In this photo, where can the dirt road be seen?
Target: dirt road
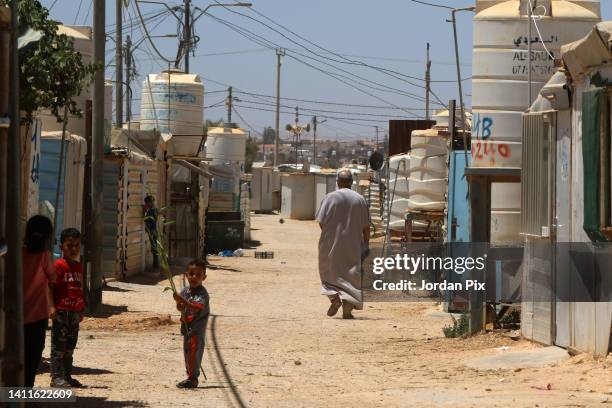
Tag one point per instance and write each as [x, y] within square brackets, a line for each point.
[271, 345]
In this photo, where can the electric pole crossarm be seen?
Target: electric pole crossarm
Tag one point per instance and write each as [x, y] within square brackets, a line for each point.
[202, 12]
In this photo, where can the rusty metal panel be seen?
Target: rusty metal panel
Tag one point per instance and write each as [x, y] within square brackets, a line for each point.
[400, 133]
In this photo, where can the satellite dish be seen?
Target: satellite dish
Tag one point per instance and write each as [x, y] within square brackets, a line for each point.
[376, 160]
[289, 128]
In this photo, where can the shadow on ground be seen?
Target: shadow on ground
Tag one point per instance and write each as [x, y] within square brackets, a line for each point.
[108, 288]
[108, 311]
[221, 268]
[251, 244]
[153, 278]
[45, 367]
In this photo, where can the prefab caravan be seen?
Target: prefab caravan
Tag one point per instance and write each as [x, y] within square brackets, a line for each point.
[567, 285]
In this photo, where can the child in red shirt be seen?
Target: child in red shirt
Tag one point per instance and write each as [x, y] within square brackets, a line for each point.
[69, 305]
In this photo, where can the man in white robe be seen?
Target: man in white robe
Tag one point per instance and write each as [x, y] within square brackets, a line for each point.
[345, 233]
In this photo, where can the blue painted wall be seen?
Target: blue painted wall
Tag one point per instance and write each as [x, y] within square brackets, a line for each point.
[49, 168]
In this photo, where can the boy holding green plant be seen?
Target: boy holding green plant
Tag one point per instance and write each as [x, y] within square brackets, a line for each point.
[193, 303]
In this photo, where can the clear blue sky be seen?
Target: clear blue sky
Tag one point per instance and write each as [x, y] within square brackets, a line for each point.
[392, 34]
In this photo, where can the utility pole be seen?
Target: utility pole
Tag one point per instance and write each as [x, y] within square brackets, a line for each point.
[187, 33]
[128, 77]
[427, 87]
[119, 64]
[229, 105]
[12, 359]
[297, 134]
[314, 141]
[459, 82]
[95, 236]
[376, 127]
[279, 54]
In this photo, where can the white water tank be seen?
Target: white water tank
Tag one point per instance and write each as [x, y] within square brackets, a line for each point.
[500, 68]
[442, 117]
[428, 171]
[399, 174]
[500, 89]
[226, 144]
[173, 102]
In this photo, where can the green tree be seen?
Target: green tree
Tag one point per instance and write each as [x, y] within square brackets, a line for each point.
[251, 151]
[52, 72]
[269, 135]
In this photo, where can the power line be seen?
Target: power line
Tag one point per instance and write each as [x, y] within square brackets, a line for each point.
[146, 32]
[88, 11]
[267, 43]
[389, 72]
[245, 122]
[432, 4]
[309, 109]
[330, 103]
[78, 12]
[348, 83]
[323, 116]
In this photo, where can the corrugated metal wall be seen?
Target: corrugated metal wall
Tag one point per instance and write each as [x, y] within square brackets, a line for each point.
[127, 250]
[112, 252]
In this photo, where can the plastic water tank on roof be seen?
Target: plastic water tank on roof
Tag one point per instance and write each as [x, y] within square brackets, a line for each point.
[500, 68]
[173, 102]
[226, 144]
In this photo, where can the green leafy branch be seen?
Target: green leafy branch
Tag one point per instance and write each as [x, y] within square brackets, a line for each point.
[159, 242]
[52, 72]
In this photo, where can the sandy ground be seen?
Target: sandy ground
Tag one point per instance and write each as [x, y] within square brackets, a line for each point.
[270, 344]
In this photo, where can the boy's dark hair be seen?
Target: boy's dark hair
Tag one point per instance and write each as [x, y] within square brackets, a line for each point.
[149, 199]
[70, 233]
[39, 230]
[200, 263]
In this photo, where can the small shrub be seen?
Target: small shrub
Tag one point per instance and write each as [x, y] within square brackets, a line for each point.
[459, 328]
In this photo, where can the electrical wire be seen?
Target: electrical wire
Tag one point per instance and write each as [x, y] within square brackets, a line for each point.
[263, 41]
[389, 72]
[78, 12]
[146, 32]
[432, 4]
[323, 116]
[344, 60]
[534, 18]
[88, 12]
[245, 122]
[309, 109]
[327, 102]
[351, 85]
